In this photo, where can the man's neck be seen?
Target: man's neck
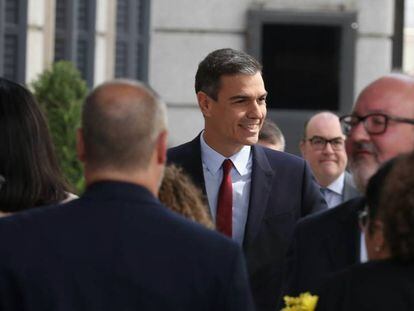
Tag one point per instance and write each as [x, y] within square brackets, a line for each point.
[226, 150]
[141, 178]
[324, 181]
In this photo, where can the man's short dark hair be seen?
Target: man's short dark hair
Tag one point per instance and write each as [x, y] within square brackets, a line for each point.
[271, 133]
[223, 62]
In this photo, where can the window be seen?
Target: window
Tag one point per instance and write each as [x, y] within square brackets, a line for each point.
[308, 58]
[75, 34]
[132, 39]
[13, 25]
[308, 64]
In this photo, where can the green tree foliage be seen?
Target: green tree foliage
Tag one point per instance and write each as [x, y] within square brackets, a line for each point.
[60, 92]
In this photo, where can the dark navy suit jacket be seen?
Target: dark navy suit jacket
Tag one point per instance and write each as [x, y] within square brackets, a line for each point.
[381, 285]
[117, 248]
[322, 244]
[282, 191]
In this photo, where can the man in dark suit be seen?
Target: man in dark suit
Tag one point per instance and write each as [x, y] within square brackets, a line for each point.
[263, 192]
[379, 128]
[117, 247]
[323, 146]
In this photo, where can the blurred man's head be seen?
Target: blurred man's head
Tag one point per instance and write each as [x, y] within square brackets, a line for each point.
[271, 136]
[380, 126]
[323, 146]
[123, 132]
[232, 98]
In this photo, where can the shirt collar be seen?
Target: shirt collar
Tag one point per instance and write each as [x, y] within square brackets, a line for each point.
[337, 185]
[213, 160]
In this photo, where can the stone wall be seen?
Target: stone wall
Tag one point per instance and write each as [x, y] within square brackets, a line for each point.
[183, 32]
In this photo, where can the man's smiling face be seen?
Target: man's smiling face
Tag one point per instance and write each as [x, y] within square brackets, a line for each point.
[236, 117]
[327, 163]
[392, 96]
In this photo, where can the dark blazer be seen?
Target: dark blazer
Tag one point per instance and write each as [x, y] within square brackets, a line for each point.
[322, 244]
[377, 285]
[117, 248]
[350, 191]
[282, 191]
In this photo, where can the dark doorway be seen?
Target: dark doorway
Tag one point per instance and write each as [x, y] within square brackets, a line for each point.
[308, 64]
[301, 66]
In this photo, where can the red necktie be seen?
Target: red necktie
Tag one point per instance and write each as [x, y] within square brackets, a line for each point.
[225, 201]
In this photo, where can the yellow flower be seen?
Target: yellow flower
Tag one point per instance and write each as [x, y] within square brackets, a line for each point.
[305, 302]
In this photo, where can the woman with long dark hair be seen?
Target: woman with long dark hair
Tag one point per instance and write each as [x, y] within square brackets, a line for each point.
[29, 169]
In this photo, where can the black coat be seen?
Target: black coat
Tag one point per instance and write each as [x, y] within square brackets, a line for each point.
[117, 248]
[378, 286]
[322, 244]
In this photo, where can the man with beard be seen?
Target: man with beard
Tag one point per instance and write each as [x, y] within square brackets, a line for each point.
[379, 128]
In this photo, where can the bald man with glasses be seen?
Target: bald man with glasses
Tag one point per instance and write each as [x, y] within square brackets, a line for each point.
[379, 128]
[323, 147]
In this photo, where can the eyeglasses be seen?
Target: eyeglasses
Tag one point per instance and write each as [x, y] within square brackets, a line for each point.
[319, 143]
[363, 216]
[374, 124]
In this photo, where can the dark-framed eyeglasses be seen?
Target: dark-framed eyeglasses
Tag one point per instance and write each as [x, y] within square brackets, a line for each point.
[319, 143]
[363, 217]
[374, 123]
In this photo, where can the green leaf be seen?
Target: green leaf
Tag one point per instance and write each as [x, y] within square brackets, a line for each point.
[60, 92]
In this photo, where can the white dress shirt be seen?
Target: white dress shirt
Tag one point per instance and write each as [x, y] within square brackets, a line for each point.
[363, 249]
[241, 181]
[334, 193]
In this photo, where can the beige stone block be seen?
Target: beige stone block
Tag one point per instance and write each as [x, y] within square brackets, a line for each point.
[34, 55]
[174, 58]
[376, 16]
[373, 59]
[184, 123]
[36, 12]
[200, 14]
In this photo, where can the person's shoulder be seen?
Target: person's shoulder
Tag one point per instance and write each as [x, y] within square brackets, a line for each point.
[178, 148]
[275, 154]
[365, 275]
[381, 269]
[35, 214]
[20, 227]
[278, 158]
[329, 217]
[187, 147]
[358, 287]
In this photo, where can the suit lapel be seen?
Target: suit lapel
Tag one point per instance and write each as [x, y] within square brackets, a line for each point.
[192, 163]
[260, 189]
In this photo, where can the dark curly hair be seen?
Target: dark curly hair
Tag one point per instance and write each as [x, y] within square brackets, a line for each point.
[392, 201]
[397, 201]
[179, 194]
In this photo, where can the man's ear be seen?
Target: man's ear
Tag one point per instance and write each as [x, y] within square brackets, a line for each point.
[80, 145]
[302, 147]
[204, 102]
[162, 147]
